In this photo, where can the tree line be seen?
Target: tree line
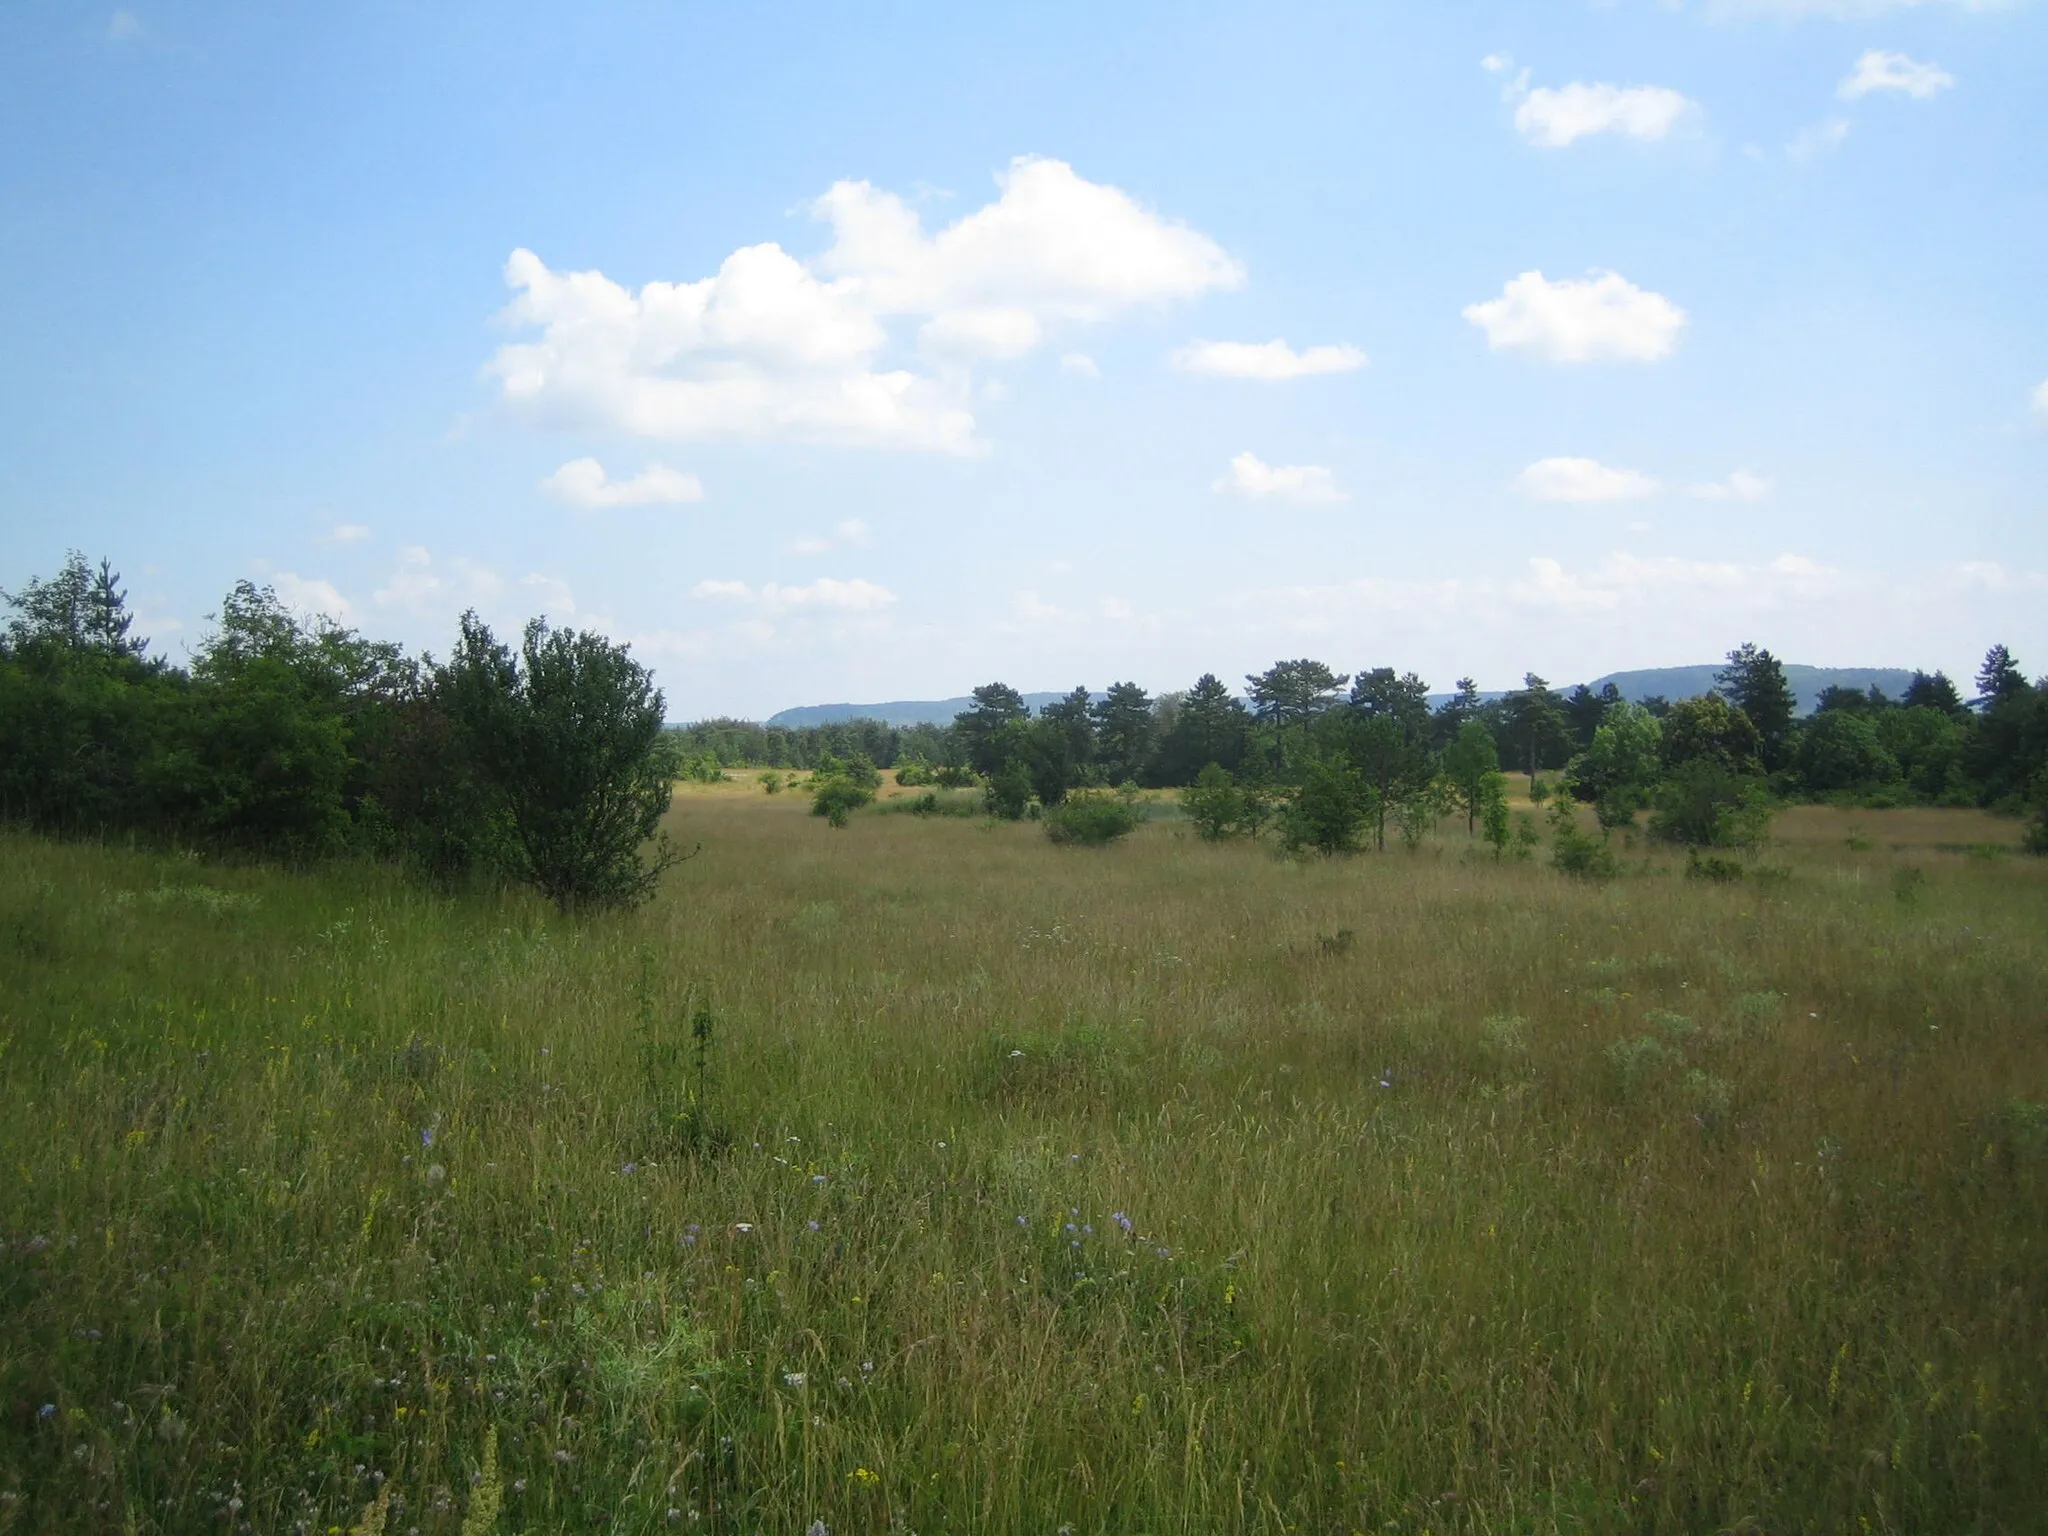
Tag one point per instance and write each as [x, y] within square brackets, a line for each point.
[548, 762]
[545, 762]
[710, 746]
[1340, 758]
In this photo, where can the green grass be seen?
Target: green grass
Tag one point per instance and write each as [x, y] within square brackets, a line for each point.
[1652, 1205]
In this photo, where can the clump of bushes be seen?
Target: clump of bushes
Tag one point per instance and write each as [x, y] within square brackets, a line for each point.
[1008, 796]
[932, 803]
[1711, 866]
[1220, 806]
[839, 787]
[1576, 852]
[700, 768]
[1705, 805]
[1093, 819]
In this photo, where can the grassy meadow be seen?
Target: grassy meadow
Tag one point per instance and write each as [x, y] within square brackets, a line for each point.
[923, 1176]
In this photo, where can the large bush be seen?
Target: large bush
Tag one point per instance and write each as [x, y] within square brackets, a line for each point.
[1703, 804]
[1214, 803]
[1092, 818]
[1328, 809]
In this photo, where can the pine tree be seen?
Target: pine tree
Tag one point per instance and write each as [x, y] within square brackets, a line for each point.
[1999, 679]
[1755, 684]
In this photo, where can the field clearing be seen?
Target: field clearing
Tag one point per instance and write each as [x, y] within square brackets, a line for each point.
[1163, 1187]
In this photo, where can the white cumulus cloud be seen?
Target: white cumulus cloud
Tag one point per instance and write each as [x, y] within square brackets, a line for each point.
[1079, 364]
[1818, 139]
[1266, 361]
[1740, 486]
[772, 346]
[1568, 479]
[826, 593]
[583, 483]
[1255, 480]
[1880, 71]
[313, 598]
[1580, 320]
[422, 586]
[1553, 117]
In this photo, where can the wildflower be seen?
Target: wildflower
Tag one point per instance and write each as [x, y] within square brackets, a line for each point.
[35, 1244]
[864, 1478]
[818, 1528]
[1015, 1054]
[48, 1410]
[817, 1178]
[792, 1378]
[1023, 1221]
[867, 1367]
[743, 1226]
[1123, 1221]
[813, 1226]
[562, 1457]
[436, 1173]
[630, 1168]
[426, 1135]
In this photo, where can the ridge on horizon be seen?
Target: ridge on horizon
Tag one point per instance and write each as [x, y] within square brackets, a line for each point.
[1807, 682]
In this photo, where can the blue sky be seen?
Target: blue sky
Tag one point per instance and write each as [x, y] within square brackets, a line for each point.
[830, 352]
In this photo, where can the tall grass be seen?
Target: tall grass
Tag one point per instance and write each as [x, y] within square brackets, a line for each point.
[1018, 1187]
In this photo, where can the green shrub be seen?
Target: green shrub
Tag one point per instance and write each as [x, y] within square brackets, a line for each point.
[1525, 840]
[1711, 866]
[1092, 819]
[1636, 1061]
[700, 768]
[1704, 804]
[1328, 809]
[1576, 852]
[1008, 795]
[838, 797]
[934, 803]
[1709, 1098]
[2036, 840]
[1214, 803]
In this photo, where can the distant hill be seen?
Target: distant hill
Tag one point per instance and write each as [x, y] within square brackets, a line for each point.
[1808, 683]
[1671, 682]
[895, 712]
